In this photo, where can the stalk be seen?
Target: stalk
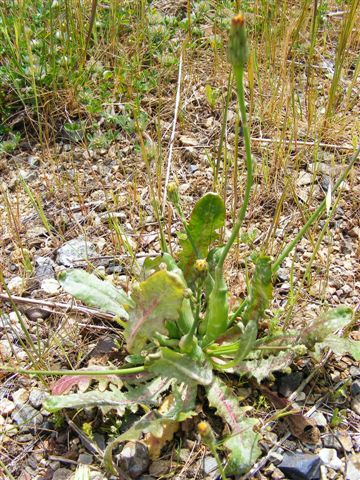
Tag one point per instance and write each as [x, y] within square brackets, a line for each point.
[120, 371]
[238, 56]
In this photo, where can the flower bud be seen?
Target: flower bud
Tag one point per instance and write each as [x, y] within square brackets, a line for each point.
[201, 265]
[238, 49]
[206, 432]
[173, 193]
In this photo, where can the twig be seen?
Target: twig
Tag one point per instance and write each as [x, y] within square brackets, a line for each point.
[172, 137]
[302, 143]
[68, 307]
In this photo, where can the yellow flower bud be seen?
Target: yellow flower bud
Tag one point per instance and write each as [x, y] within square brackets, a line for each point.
[238, 49]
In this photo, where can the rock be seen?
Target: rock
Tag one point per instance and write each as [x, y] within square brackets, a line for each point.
[353, 467]
[300, 466]
[26, 175]
[75, 250]
[319, 418]
[20, 397]
[16, 285]
[355, 388]
[37, 396]
[355, 404]
[159, 467]
[6, 406]
[188, 141]
[354, 371]
[134, 459]
[330, 459]
[44, 268]
[289, 383]
[33, 161]
[210, 467]
[50, 285]
[85, 459]
[275, 458]
[27, 417]
[330, 441]
[304, 178]
[277, 474]
[62, 474]
[35, 314]
[285, 287]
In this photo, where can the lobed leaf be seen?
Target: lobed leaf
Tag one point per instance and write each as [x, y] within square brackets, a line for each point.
[94, 292]
[243, 443]
[207, 216]
[180, 366]
[158, 299]
[261, 368]
[340, 346]
[326, 324]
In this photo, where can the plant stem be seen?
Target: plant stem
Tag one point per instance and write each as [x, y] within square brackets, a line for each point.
[121, 371]
[314, 216]
[239, 77]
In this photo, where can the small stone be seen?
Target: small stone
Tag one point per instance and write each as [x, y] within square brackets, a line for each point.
[277, 474]
[62, 474]
[355, 388]
[184, 455]
[285, 287]
[75, 250]
[346, 442]
[304, 178]
[355, 404]
[330, 441]
[33, 161]
[50, 286]
[354, 371]
[6, 406]
[16, 285]
[330, 459]
[44, 268]
[26, 175]
[134, 458]
[20, 396]
[275, 458]
[159, 467]
[27, 417]
[301, 466]
[353, 467]
[37, 396]
[319, 418]
[210, 467]
[85, 459]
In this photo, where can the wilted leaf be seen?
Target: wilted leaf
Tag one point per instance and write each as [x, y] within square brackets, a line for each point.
[243, 443]
[180, 366]
[64, 384]
[95, 292]
[157, 300]
[325, 325]
[341, 346]
[207, 216]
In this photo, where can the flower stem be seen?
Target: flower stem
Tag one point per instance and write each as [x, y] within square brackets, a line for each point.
[121, 371]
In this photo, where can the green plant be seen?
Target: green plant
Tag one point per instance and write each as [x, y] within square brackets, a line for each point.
[180, 331]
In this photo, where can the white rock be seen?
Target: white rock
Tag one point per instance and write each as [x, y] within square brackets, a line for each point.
[6, 406]
[50, 285]
[330, 459]
[16, 285]
[20, 397]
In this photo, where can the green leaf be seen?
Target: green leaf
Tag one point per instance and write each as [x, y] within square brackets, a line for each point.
[325, 325]
[261, 368]
[157, 300]
[207, 216]
[95, 292]
[260, 291]
[243, 443]
[117, 399]
[341, 346]
[180, 366]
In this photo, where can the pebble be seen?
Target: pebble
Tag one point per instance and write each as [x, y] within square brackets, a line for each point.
[355, 404]
[159, 467]
[33, 161]
[85, 458]
[285, 287]
[210, 467]
[27, 175]
[330, 459]
[27, 417]
[62, 474]
[354, 371]
[320, 419]
[37, 396]
[355, 388]
[20, 396]
[134, 459]
[16, 285]
[50, 286]
[301, 466]
[74, 250]
[353, 467]
[6, 406]
[289, 383]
